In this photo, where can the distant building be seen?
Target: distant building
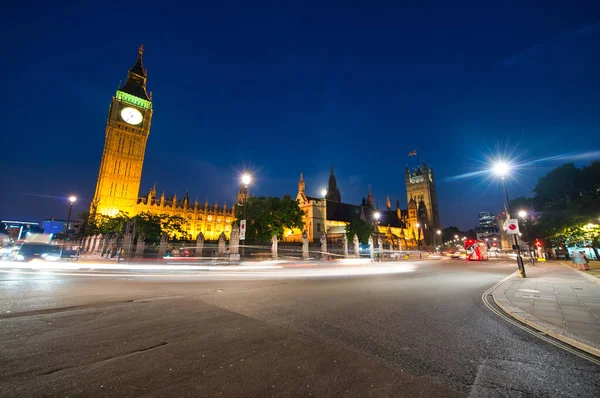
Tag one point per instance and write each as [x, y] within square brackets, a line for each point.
[488, 230]
[54, 227]
[18, 230]
[487, 222]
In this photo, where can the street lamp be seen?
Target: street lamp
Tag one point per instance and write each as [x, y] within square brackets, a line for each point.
[455, 236]
[324, 196]
[72, 199]
[502, 169]
[418, 225]
[439, 232]
[246, 180]
[523, 215]
[377, 215]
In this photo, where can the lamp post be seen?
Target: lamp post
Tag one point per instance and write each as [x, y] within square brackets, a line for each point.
[418, 225]
[72, 199]
[246, 179]
[376, 216]
[501, 169]
[439, 232]
[324, 196]
[523, 215]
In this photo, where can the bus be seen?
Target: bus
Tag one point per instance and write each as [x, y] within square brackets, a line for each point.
[476, 250]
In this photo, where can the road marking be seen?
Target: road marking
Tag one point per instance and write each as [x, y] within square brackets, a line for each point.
[487, 295]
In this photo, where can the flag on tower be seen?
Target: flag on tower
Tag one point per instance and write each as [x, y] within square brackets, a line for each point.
[413, 153]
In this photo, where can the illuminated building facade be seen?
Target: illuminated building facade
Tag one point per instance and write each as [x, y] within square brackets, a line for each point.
[330, 214]
[120, 175]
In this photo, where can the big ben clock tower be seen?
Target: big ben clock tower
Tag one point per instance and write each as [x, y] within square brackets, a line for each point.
[127, 130]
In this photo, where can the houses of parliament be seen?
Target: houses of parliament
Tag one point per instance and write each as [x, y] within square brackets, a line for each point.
[120, 175]
[117, 188]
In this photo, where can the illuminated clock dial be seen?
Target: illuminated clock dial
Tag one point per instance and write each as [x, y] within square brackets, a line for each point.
[131, 116]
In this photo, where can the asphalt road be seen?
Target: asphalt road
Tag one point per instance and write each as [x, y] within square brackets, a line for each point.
[411, 329]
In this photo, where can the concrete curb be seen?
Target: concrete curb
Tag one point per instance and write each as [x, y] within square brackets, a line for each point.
[588, 276]
[559, 333]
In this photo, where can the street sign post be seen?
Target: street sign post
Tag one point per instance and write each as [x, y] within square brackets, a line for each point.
[242, 229]
[512, 226]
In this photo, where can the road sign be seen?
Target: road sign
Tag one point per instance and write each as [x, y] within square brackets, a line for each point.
[512, 226]
[242, 229]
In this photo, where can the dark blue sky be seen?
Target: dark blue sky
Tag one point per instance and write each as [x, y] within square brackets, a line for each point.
[289, 86]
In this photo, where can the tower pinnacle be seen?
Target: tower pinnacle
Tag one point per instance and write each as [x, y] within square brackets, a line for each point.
[301, 185]
[136, 78]
[333, 193]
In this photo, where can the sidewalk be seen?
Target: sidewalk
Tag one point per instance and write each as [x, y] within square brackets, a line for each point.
[556, 300]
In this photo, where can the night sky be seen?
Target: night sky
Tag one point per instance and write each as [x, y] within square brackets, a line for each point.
[286, 87]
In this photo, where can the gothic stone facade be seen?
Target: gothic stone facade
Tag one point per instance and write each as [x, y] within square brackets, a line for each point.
[120, 175]
[412, 227]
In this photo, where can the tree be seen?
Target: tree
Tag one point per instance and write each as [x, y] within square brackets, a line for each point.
[112, 225]
[561, 185]
[172, 224]
[269, 216]
[567, 199]
[361, 228]
[590, 179]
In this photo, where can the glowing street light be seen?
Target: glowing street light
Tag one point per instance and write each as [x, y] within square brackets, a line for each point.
[72, 199]
[455, 236]
[523, 215]
[439, 232]
[246, 179]
[502, 169]
[324, 196]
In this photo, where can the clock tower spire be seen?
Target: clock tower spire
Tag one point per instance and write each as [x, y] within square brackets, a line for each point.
[126, 134]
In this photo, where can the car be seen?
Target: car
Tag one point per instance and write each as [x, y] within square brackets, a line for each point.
[38, 251]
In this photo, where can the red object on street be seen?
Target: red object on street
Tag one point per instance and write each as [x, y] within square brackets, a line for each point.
[476, 250]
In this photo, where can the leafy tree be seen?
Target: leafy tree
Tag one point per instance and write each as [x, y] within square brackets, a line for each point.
[566, 200]
[361, 228]
[147, 224]
[112, 225]
[172, 224]
[557, 188]
[270, 216]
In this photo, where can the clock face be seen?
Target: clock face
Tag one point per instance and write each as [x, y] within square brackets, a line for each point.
[131, 116]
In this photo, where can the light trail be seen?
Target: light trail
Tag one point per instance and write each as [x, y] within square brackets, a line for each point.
[276, 272]
[128, 267]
